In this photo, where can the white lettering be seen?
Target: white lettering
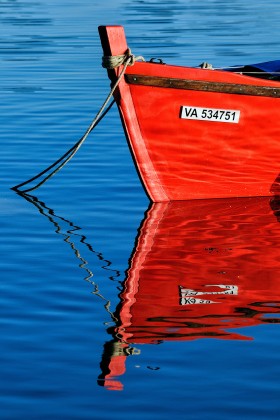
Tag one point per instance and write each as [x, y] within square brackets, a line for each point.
[188, 296]
[210, 114]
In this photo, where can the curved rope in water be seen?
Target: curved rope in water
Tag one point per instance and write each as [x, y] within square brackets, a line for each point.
[67, 237]
[109, 62]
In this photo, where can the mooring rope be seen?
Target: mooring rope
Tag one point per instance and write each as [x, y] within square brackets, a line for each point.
[113, 61]
[109, 62]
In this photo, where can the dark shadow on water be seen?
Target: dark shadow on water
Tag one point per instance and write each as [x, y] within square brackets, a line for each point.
[275, 187]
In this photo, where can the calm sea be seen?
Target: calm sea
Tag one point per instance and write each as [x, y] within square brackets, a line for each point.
[89, 271]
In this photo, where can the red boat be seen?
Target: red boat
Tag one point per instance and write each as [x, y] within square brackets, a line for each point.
[198, 132]
[200, 269]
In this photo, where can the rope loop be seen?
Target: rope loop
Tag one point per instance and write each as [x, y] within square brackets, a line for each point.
[110, 62]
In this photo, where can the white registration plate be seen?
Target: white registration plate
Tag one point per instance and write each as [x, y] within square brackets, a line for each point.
[210, 114]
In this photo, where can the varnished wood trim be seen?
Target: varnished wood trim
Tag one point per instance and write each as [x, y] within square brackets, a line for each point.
[200, 85]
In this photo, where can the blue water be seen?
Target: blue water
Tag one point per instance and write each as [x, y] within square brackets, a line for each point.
[64, 257]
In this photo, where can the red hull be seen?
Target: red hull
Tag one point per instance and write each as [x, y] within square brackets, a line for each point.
[181, 159]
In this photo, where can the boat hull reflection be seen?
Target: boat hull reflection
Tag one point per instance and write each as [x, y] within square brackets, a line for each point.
[200, 269]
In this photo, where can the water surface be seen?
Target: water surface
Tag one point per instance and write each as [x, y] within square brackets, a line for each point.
[87, 254]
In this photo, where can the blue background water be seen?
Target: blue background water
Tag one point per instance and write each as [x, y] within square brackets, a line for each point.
[52, 325]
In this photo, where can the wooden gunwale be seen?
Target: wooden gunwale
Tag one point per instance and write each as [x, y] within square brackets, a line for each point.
[204, 86]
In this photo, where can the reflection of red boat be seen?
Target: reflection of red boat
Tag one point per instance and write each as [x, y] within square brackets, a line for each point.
[198, 133]
[200, 269]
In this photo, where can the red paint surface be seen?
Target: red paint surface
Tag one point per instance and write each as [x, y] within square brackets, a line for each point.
[184, 159]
